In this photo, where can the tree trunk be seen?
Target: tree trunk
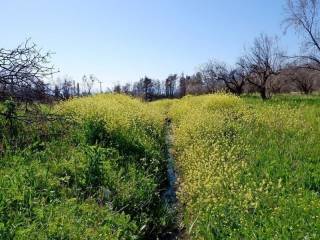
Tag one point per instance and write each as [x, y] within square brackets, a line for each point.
[263, 93]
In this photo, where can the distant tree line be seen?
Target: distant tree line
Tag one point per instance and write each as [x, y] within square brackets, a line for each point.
[264, 68]
[65, 88]
[265, 74]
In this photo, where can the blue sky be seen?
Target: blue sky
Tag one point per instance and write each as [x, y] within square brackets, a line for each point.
[123, 40]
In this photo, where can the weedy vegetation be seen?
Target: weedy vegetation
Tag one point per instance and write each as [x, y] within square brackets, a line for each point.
[247, 169]
[97, 176]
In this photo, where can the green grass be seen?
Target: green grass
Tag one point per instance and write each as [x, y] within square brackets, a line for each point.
[96, 177]
[248, 169]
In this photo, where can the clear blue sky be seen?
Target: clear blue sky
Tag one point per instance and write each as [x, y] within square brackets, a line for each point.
[123, 40]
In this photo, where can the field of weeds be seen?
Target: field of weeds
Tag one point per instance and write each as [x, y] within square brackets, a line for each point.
[246, 169]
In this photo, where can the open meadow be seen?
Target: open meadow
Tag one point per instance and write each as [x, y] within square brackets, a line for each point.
[246, 169]
[160, 120]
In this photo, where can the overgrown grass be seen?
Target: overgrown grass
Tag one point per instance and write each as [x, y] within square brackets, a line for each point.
[100, 177]
[249, 169]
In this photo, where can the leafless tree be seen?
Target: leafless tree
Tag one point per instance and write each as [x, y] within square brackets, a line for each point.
[78, 89]
[23, 71]
[304, 80]
[182, 85]
[88, 83]
[92, 80]
[137, 89]
[195, 84]
[156, 88]
[147, 88]
[263, 61]
[171, 85]
[67, 88]
[303, 16]
[126, 88]
[281, 83]
[235, 81]
[222, 76]
[117, 88]
[209, 75]
[56, 92]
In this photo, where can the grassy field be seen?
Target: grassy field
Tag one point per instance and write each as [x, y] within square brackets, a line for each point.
[247, 169]
[98, 176]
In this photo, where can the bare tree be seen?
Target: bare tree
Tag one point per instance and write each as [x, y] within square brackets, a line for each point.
[182, 85]
[126, 88]
[304, 80]
[147, 88]
[209, 75]
[137, 89]
[156, 88]
[84, 84]
[88, 83]
[57, 92]
[78, 89]
[303, 16]
[92, 79]
[171, 85]
[195, 84]
[23, 71]
[263, 61]
[67, 88]
[233, 79]
[117, 88]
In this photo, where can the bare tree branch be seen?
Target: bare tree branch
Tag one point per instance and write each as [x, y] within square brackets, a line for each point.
[23, 71]
[263, 61]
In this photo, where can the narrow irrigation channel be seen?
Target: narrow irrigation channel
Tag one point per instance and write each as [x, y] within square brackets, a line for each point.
[169, 195]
